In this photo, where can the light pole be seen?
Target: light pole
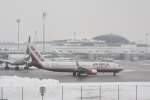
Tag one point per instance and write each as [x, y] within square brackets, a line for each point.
[146, 44]
[74, 36]
[42, 91]
[111, 43]
[18, 23]
[1, 92]
[44, 16]
[22, 92]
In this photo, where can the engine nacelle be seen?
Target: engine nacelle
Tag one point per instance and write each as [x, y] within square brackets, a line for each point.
[91, 71]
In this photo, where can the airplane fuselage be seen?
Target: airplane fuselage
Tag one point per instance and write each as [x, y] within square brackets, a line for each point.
[90, 68]
[71, 66]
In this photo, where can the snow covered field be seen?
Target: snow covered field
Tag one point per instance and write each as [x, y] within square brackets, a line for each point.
[11, 88]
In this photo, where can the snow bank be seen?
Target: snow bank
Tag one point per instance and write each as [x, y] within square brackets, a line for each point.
[15, 81]
[12, 90]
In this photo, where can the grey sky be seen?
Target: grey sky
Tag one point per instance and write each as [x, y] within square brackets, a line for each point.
[88, 18]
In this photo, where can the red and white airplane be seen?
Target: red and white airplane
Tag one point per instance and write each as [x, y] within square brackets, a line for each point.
[77, 68]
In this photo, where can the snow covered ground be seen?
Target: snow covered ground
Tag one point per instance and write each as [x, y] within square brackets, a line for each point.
[11, 88]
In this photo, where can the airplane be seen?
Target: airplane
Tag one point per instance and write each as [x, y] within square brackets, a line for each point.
[17, 61]
[77, 68]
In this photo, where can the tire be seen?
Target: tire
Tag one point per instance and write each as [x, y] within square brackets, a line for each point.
[78, 74]
[114, 73]
[16, 68]
[74, 73]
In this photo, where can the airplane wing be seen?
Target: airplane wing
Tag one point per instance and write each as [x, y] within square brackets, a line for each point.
[7, 61]
[89, 71]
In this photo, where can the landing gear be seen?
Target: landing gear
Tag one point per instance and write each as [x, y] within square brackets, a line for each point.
[17, 68]
[78, 74]
[26, 67]
[114, 73]
[74, 73]
[6, 68]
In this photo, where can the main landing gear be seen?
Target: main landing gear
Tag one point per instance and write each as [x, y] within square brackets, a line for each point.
[7, 67]
[26, 66]
[76, 74]
[114, 73]
[17, 67]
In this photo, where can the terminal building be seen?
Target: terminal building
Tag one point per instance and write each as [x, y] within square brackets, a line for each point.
[109, 45]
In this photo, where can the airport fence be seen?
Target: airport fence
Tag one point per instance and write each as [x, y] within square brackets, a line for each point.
[76, 92]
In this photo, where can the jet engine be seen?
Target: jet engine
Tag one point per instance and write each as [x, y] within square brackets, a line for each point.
[91, 71]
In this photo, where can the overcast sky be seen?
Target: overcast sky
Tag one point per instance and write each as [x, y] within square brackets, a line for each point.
[88, 18]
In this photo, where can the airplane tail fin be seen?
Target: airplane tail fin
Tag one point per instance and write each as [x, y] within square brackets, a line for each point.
[27, 53]
[36, 56]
